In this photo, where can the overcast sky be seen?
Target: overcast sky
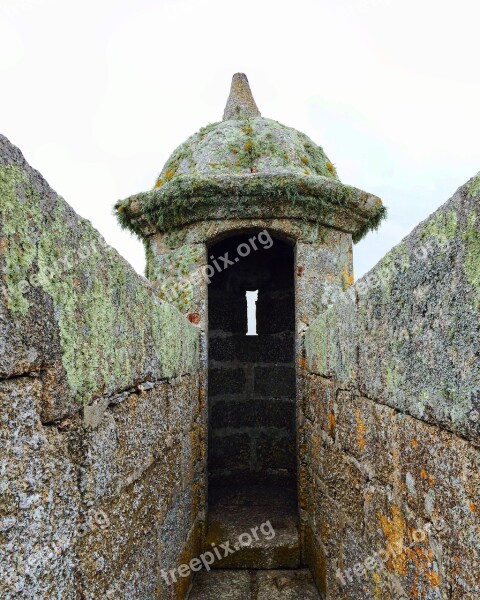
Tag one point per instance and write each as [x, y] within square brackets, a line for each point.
[97, 94]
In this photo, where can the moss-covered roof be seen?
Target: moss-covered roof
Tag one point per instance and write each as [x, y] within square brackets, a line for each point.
[241, 147]
[212, 174]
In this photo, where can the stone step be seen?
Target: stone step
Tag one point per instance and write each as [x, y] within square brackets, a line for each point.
[254, 585]
[260, 536]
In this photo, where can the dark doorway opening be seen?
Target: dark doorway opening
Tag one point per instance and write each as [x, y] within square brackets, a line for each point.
[252, 425]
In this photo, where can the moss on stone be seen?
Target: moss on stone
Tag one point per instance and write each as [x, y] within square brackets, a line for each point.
[244, 146]
[170, 274]
[18, 234]
[472, 255]
[112, 329]
[474, 186]
[249, 161]
[188, 199]
[329, 344]
[442, 226]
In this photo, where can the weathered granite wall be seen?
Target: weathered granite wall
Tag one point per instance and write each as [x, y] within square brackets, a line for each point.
[389, 420]
[102, 410]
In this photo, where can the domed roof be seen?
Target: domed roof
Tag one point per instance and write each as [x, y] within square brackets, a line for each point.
[245, 146]
[247, 166]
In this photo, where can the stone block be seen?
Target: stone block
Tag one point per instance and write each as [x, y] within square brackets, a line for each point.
[39, 498]
[439, 477]
[256, 412]
[368, 431]
[274, 451]
[230, 452]
[320, 403]
[343, 482]
[225, 381]
[275, 381]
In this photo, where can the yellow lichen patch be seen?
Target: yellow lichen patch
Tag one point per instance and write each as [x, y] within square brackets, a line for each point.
[414, 443]
[248, 146]
[361, 430]
[324, 530]
[304, 160]
[473, 508]
[332, 423]
[369, 494]
[316, 448]
[347, 276]
[394, 531]
[422, 560]
[331, 168]
[160, 181]
[378, 589]
[427, 476]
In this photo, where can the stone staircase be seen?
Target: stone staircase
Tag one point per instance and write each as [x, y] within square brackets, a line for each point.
[257, 528]
[261, 525]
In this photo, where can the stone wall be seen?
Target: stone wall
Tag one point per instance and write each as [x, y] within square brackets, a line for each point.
[389, 420]
[103, 410]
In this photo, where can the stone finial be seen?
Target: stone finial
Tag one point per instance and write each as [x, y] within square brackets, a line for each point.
[240, 103]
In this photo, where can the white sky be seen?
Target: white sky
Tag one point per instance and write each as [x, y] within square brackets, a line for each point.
[97, 94]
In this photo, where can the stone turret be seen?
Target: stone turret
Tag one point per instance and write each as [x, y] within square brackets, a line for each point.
[242, 172]
[250, 206]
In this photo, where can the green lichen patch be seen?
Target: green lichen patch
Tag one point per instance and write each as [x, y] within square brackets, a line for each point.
[472, 254]
[474, 186]
[112, 330]
[254, 145]
[105, 315]
[17, 234]
[171, 275]
[330, 341]
[443, 226]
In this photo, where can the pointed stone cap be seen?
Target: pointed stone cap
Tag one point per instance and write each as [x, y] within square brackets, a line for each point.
[240, 103]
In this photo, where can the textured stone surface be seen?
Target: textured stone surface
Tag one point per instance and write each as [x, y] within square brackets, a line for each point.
[102, 412]
[234, 512]
[70, 305]
[419, 330]
[388, 433]
[40, 503]
[254, 585]
[240, 103]
[409, 332]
